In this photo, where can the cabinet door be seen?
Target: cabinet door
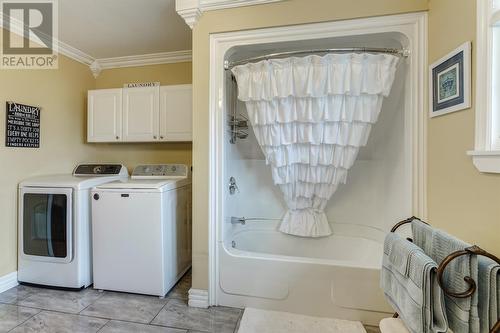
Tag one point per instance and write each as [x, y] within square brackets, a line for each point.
[104, 116]
[176, 113]
[141, 114]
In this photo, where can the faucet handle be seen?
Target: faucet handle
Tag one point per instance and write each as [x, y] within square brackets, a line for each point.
[233, 187]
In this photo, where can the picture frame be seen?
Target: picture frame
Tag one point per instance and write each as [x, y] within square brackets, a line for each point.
[450, 82]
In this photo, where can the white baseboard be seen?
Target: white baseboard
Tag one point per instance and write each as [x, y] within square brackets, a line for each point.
[198, 298]
[8, 281]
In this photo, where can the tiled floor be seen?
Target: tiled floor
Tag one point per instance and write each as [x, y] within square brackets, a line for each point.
[35, 310]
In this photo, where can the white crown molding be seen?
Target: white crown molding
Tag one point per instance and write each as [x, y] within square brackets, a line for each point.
[98, 65]
[8, 281]
[191, 10]
[207, 5]
[145, 59]
[75, 54]
[69, 51]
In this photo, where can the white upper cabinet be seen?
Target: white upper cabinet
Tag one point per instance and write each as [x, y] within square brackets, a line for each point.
[141, 111]
[143, 114]
[104, 115]
[176, 105]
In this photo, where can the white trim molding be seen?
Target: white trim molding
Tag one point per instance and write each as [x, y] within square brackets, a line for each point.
[189, 10]
[17, 27]
[207, 5]
[486, 161]
[145, 59]
[198, 298]
[8, 281]
[412, 28]
[192, 10]
[75, 54]
[485, 155]
[99, 65]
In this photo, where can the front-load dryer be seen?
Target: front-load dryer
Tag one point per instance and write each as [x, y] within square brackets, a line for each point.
[142, 230]
[54, 226]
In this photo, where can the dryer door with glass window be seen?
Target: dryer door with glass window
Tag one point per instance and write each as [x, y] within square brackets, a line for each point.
[45, 224]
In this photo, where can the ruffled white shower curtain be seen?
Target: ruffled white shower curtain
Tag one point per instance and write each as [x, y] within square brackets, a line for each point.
[310, 116]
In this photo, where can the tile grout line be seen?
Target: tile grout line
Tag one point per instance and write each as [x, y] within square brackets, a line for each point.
[41, 309]
[100, 329]
[163, 307]
[16, 302]
[176, 327]
[58, 312]
[49, 310]
[238, 322]
[98, 298]
[13, 328]
[95, 316]
[45, 309]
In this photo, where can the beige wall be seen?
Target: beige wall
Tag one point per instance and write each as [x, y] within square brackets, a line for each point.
[283, 13]
[460, 199]
[166, 74]
[62, 95]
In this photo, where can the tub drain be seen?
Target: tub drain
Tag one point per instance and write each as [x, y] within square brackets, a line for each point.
[233, 244]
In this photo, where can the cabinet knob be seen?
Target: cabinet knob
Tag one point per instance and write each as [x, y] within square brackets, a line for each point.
[161, 137]
[154, 137]
[117, 138]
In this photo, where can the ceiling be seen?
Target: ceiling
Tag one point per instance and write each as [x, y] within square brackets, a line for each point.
[116, 28]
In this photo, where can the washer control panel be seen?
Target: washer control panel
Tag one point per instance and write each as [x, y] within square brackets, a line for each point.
[99, 170]
[160, 171]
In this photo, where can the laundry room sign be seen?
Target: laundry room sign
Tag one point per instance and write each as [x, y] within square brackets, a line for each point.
[23, 126]
[141, 85]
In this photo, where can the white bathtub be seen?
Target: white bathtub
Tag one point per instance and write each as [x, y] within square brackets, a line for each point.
[337, 276]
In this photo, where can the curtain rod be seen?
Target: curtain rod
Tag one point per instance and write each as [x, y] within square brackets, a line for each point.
[397, 52]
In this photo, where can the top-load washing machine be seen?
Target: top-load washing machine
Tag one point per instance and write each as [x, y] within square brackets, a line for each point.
[142, 230]
[54, 247]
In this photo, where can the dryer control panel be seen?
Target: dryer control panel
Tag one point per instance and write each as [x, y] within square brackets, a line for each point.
[160, 171]
[94, 170]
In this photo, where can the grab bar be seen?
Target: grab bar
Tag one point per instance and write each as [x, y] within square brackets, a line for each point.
[243, 220]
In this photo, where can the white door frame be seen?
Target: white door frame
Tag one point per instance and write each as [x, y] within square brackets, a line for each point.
[413, 26]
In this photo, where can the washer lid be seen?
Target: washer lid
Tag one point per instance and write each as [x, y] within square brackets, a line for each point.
[68, 181]
[85, 176]
[145, 184]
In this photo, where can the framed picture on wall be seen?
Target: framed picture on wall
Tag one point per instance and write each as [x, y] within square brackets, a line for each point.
[450, 82]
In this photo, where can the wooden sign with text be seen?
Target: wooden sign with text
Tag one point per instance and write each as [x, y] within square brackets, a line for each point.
[141, 85]
[22, 126]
